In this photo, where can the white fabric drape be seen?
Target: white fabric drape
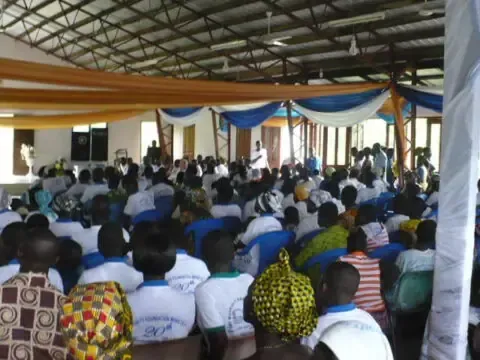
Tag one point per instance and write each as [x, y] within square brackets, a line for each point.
[345, 118]
[448, 321]
[226, 108]
[186, 120]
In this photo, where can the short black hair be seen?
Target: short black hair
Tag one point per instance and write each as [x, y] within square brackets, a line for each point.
[98, 174]
[366, 215]
[401, 205]
[342, 278]
[109, 171]
[40, 248]
[291, 216]
[426, 232]
[133, 170]
[113, 181]
[159, 176]
[130, 184]
[16, 204]
[354, 173]
[148, 172]
[84, 176]
[349, 196]
[327, 214]
[417, 209]
[70, 255]
[37, 221]
[111, 242]
[224, 190]
[100, 209]
[357, 241]
[218, 248]
[153, 257]
[12, 235]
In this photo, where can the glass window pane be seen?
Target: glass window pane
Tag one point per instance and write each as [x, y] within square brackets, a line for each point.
[81, 128]
[342, 143]
[99, 126]
[421, 133]
[374, 131]
[435, 145]
[330, 146]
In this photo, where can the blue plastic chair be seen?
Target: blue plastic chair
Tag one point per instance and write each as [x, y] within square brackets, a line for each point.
[388, 252]
[305, 239]
[324, 259]
[149, 215]
[270, 245]
[199, 229]
[232, 224]
[92, 260]
[116, 211]
[164, 205]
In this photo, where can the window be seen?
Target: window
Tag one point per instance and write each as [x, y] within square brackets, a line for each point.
[90, 142]
[148, 133]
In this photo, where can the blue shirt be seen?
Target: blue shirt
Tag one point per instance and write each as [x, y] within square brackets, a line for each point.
[314, 163]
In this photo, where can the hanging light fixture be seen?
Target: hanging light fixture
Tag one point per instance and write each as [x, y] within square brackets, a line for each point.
[353, 47]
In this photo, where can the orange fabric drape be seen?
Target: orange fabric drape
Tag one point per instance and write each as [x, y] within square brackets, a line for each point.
[66, 121]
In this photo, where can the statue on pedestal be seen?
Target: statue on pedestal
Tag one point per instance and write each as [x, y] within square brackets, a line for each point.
[28, 155]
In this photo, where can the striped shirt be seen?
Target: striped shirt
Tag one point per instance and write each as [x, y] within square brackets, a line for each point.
[368, 296]
[377, 235]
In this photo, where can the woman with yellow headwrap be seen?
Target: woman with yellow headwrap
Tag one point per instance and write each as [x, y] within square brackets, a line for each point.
[96, 323]
[281, 306]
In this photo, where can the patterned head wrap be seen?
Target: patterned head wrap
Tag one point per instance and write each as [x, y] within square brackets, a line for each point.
[301, 192]
[97, 322]
[43, 199]
[410, 225]
[283, 301]
[65, 203]
[268, 203]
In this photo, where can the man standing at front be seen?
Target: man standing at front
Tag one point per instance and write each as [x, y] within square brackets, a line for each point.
[314, 162]
[380, 160]
[259, 159]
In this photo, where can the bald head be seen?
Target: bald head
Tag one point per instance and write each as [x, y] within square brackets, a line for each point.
[39, 251]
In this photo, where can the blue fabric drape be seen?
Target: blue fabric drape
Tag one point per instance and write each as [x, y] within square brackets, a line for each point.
[337, 103]
[390, 118]
[182, 112]
[250, 118]
[430, 101]
[282, 112]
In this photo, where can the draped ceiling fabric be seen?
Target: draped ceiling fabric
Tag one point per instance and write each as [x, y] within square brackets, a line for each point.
[449, 315]
[429, 98]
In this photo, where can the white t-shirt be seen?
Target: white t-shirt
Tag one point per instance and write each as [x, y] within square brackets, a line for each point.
[307, 225]
[187, 273]
[65, 228]
[88, 239]
[114, 269]
[54, 185]
[433, 199]
[260, 226]
[366, 194]
[77, 190]
[336, 314]
[416, 260]
[144, 184]
[260, 163]
[381, 185]
[161, 313]
[161, 189]
[220, 304]
[393, 224]
[351, 182]
[207, 181]
[219, 211]
[381, 161]
[301, 207]
[138, 203]
[221, 170]
[287, 201]
[7, 217]
[93, 190]
[13, 268]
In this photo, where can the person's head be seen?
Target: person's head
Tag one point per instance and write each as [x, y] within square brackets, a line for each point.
[390, 153]
[285, 172]
[342, 174]
[218, 251]
[242, 171]
[84, 176]
[370, 177]
[12, 235]
[159, 176]
[367, 151]
[65, 206]
[154, 143]
[130, 161]
[107, 339]
[349, 196]
[360, 156]
[98, 175]
[155, 255]
[258, 145]
[275, 173]
[301, 193]
[210, 168]
[268, 203]
[109, 171]
[281, 302]
[407, 238]
[357, 242]
[327, 214]
[376, 148]
[427, 152]
[353, 152]
[333, 188]
[176, 163]
[52, 172]
[110, 240]
[123, 161]
[37, 221]
[130, 184]
[312, 152]
[114, 181]
[329, 172]
[292, 216]
[366, 214]
[354, 173]
[340, 284]
[417, 208]
[180, 178]
[16, 204]
[401, 205]
[224, 191]
[39, 251]
[69, 256]
[199, 159]
[100, 210]
[426, 232]
[148, 172]
[133, 170]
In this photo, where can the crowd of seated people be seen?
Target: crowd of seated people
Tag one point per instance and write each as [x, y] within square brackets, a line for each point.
[116, 275]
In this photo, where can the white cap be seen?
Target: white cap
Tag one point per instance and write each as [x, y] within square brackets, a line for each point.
[354, 340]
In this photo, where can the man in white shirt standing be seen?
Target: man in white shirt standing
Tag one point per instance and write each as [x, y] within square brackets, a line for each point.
[340, 285]
[220, 299]
[259, 158]
[160, 313]
[112, 246]
[380, 162]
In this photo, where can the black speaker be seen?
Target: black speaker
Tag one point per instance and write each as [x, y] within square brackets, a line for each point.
[99, 144]
[80, 146]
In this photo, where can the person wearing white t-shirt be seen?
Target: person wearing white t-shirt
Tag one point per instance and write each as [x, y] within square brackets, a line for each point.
[161, 186]
[370, 192]
[380, 162]
[160, 312]
[64, 226]
[223, 207]
[259, 158]
[220, 299]
[77, 189]
[138, 201]
[221, 170]
[99, 187]
[401, 210]
[111, 246]
[341, 281]
[88, 238]
[14, 236]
